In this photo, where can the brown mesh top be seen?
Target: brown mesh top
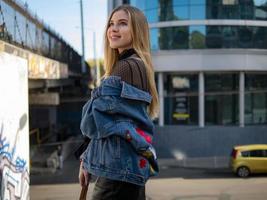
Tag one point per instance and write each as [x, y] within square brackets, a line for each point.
[131, 69]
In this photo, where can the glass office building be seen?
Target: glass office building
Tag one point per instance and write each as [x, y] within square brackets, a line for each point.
[210, 58]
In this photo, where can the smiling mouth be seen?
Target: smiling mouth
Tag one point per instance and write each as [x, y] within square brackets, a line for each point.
[115, 37]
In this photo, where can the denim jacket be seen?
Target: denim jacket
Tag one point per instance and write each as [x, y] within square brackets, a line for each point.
[117, 122]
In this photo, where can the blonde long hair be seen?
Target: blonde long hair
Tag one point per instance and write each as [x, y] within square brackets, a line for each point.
[141, 44]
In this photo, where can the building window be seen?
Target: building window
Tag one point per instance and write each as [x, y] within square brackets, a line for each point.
[208, 37]
[197, 37]
[174, 38]
[221, 99]
[154, 36]
[181, 99]
[255, 99]
[172, 10]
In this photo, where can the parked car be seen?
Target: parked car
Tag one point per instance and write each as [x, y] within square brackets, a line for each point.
[248, 159]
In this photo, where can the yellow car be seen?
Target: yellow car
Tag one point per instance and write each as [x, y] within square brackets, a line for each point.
[249, 159]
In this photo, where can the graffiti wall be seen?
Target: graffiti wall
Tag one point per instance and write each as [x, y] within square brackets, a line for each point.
[14, 128]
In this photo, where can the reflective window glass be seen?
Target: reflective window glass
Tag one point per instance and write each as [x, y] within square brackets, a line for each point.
[167, 13]
[221, 82]
[230, 36]
[152, 15]
[202, 9]
[255, 98]
[154, 35]
[261, 12]
[180, 2]
[259, 2]
[231, 11]
[212, 11]
[197, 12]
[214, 37]
[197, 37]
[255, 82]
[260, 37]
[255, 108]
[151, 4]
[221, 99]
[181, 12]
[174, 38]
[245, 37]
[138, 3]
[181, 100]
[197, 2]
[247, 11]
[221, 109]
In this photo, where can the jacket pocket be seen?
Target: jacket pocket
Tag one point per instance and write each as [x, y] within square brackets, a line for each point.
[110, 153]
[106, 153]
[111, 147]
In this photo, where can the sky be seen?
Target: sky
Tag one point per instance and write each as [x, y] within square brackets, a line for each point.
[63, 16]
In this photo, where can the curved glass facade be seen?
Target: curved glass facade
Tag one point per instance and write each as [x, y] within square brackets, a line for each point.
[235, 24]
[170, 10]
[199, 37]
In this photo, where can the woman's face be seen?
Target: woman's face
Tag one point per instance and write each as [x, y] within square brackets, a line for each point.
[118, 33]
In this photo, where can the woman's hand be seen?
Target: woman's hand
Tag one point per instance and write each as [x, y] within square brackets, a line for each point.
[84, 176]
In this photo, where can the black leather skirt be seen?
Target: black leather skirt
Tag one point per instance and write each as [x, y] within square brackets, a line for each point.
[106, 189]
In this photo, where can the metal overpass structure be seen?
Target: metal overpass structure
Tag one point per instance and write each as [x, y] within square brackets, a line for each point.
[54, 67]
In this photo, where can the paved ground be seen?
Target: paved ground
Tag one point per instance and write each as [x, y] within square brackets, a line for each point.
[174, 183]
[172, 189]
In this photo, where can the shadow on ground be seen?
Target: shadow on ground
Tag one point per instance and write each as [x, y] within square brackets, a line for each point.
[69, 173]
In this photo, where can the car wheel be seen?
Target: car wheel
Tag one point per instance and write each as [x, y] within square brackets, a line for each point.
[243, 171]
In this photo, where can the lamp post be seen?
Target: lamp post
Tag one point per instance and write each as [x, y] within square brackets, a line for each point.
[96, 63]
[82, 37]
[97, 68]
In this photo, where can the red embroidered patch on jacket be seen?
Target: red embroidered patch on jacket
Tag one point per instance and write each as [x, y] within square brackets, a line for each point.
[144, 135]
[142, 163]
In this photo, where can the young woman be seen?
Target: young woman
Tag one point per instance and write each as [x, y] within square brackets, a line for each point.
[118, 117]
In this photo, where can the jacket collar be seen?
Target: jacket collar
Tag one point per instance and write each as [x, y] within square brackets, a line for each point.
[126, 90]
[130, 92]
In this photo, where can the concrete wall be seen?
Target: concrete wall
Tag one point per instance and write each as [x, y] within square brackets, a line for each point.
[183, 142]
[14, 128]
[210, 60]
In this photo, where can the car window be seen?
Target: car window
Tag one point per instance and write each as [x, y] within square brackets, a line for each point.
[265, 153]
[245, 153]
[257, 153]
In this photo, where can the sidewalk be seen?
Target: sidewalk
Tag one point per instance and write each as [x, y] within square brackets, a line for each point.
[171, 189]
[175, 182]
